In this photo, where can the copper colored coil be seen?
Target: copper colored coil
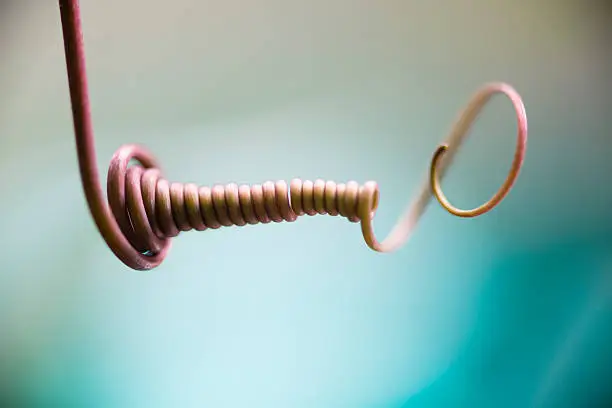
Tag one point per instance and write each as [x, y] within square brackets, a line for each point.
[145, 211]
[149, 209]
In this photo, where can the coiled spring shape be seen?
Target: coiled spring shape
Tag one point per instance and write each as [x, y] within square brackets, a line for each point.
[145, 211]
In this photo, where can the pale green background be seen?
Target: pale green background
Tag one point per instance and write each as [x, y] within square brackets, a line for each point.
[512, 309]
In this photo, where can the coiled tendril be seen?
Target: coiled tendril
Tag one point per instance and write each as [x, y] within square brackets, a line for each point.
[150, 210]
[145, 210]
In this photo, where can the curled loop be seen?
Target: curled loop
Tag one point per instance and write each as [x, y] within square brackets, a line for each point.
[461, 129]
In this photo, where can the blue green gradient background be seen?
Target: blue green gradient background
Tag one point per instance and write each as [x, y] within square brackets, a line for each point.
[512, 309]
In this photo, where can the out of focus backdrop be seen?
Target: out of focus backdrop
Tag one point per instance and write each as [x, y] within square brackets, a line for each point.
[512, 309]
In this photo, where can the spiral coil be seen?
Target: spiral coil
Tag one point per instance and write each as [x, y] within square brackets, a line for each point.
[145, 210]
[150, 210]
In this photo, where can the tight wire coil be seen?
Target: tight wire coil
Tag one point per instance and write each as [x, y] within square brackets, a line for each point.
[145, 210]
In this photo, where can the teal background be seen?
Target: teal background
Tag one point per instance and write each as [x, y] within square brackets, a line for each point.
[512, 309]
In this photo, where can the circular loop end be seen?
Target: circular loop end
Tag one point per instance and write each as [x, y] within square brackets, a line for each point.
[517, 163]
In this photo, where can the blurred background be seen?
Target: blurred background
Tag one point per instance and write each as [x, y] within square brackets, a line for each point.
[512, 309]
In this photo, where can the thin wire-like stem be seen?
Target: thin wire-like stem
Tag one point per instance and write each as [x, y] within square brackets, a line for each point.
[84, 135]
